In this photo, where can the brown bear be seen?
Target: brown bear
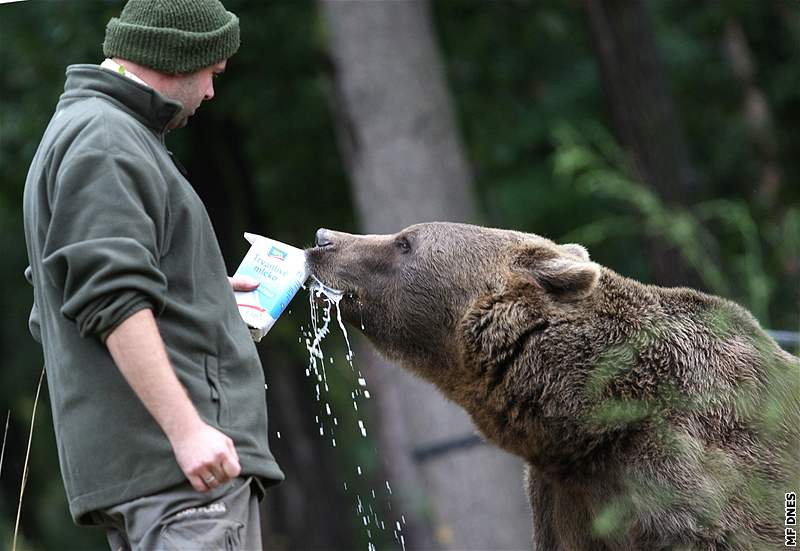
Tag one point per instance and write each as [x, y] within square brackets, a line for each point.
[650, 418]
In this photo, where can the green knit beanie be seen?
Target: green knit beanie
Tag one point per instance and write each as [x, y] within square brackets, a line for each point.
[173, 36]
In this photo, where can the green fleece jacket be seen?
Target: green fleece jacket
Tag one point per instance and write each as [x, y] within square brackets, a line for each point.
[113, 226]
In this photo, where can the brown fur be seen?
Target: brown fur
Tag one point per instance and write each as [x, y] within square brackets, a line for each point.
[650, 418]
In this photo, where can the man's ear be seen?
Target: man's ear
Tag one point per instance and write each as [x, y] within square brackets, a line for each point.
[565, 272]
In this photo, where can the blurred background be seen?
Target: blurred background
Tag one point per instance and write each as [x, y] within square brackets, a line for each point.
[657, 133]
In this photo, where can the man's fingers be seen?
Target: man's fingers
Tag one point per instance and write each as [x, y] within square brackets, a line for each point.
[232, 449]
[212, 479]
[197, 483]
[230, 463]
[243, 283]
[231, 467]
[218, 472]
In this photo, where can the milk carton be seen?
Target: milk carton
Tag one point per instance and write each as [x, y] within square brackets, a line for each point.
[280, 270]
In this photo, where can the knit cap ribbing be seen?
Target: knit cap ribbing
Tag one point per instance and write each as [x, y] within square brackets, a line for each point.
[173, 36]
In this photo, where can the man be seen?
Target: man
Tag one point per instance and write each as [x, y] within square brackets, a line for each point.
[156, 388]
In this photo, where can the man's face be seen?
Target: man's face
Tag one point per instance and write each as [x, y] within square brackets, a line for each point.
[191, 90]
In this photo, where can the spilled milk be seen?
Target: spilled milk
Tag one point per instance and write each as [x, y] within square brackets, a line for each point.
[322, 301]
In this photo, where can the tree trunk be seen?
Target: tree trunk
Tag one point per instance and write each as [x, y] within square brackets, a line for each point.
[399, 141]
[643, 114]
[756, 110]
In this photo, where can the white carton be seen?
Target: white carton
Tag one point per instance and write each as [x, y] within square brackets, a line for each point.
[280, 270]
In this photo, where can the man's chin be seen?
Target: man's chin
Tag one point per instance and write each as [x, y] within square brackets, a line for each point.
[179, 122]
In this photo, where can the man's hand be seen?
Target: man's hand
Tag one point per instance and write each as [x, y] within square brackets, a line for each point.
[243, 283]
[206, 456]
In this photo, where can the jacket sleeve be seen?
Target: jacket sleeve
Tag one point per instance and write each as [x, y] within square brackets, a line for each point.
[33, 319]
[102, 248]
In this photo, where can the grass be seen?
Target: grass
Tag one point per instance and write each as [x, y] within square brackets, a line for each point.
[27, 457]
[3, 449]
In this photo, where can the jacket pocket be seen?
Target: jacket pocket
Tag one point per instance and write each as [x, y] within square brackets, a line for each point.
[216, 392]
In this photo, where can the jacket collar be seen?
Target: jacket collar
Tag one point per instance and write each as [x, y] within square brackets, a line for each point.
[142, 102]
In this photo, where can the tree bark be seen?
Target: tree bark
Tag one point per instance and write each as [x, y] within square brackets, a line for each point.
[642, 108]
[756, 110]
[394, 119]
[399, 141]
[644, 115]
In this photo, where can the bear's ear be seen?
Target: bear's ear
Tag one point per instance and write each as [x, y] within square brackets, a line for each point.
[565, 272]
[578, 251]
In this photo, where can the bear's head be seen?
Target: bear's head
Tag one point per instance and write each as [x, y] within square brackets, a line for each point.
[414, 291]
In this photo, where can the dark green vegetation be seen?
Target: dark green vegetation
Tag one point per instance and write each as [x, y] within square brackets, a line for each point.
[539, 133]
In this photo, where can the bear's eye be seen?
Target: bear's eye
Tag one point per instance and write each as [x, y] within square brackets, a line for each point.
[402, 244]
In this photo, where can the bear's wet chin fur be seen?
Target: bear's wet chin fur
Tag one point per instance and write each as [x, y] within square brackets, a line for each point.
[650, 418]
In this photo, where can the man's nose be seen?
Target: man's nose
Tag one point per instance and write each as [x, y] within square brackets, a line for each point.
[323, 238]
[210, 92]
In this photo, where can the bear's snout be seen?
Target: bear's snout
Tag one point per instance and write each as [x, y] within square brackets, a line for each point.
[323, 238]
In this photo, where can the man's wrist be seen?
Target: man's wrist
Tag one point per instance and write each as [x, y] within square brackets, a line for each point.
[183, 422]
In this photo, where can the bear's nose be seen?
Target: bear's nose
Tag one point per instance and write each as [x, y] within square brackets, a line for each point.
[323, 238]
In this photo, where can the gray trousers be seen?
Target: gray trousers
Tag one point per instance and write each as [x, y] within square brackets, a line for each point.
[183, 519]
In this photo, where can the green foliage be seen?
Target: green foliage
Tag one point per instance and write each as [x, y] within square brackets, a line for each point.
[534, 120]
[612, 520]
[690, 472]
[721, 239]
